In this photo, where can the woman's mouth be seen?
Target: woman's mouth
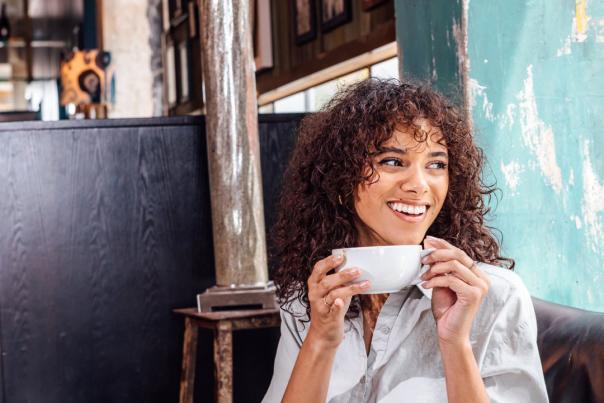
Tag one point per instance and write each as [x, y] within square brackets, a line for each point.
[408, 212]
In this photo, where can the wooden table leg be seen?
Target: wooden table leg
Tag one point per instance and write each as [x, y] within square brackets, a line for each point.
[223, 362]
[189, 358]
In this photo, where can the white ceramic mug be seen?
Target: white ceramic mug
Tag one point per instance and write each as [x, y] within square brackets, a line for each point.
[388, 268]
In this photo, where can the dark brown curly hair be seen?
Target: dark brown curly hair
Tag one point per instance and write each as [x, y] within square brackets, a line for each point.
[334, 148]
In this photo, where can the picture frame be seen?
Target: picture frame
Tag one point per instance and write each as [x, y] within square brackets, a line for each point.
[334, 13]
[262, 31]
[183, 73]
[369, 4]
[305, 21]
[170, 95]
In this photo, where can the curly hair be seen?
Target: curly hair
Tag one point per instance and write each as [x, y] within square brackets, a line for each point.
[334, 148]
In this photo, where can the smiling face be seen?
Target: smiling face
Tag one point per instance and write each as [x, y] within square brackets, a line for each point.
[402, 200]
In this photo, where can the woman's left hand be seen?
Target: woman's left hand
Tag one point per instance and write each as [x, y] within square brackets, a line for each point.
[459, 287]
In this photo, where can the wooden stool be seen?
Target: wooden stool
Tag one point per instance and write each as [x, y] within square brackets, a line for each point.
[222, 323]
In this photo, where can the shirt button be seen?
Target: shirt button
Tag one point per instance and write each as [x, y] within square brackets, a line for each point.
[386, 330]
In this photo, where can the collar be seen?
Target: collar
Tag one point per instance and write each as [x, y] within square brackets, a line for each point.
[426, 291]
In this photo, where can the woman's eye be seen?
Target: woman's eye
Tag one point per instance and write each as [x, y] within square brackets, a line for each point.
[393, 162]
[438, 165]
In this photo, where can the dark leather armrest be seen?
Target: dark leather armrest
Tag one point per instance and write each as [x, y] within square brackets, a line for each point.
[571, 344]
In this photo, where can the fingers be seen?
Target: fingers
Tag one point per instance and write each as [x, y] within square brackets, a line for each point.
[457, 269]
[476, 270]
[321, 289]
[337, 279]
[465, 292]
[322, 267]
[337, 307]
[447, 252]
[438, 242]
[320, 285]
[443, 255]
[346, 292]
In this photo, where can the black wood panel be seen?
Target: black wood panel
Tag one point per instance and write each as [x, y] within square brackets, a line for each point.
[105, 227]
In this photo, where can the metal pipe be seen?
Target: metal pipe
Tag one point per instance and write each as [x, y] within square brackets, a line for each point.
[232, 141]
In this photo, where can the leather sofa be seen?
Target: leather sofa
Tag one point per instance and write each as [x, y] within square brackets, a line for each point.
[571, 344]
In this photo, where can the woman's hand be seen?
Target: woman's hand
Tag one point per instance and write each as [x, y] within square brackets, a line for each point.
[459, 288]
[329, 297]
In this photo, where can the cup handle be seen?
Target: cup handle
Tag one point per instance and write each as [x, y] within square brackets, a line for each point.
[424, 267]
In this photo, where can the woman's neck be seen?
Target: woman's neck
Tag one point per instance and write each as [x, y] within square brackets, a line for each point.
[373, 302]
[371, 305]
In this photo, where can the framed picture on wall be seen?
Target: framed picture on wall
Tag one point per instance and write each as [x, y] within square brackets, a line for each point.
[262, 33]
[334, 13]
[170, 75]
[305, 21]
[183, 64]
[369, 4]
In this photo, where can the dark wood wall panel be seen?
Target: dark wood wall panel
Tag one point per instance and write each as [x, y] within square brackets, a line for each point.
[366, 31]
[276, 144]
[105, 227]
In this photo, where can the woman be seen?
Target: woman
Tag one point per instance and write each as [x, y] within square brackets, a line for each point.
[389, 163]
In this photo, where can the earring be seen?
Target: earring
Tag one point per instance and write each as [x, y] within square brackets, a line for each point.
[340, 200]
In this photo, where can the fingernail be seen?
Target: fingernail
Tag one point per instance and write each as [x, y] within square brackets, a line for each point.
[425, 260]
[425, 284]
[431, 237]
[364, 284]
[355, 272]
[338, 258]
[423, 276]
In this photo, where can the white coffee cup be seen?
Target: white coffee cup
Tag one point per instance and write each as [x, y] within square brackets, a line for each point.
[388, 268]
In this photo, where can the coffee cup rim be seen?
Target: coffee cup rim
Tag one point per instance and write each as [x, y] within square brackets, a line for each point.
[378, 246]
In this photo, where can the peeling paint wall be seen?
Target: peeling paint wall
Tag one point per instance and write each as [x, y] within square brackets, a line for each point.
[537, 76]
[430, 41]
[534, 82]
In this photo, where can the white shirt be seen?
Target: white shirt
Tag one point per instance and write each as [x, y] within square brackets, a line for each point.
[404, 362]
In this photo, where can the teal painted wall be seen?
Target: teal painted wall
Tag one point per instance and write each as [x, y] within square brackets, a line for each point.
[534, 82]
[429, 37]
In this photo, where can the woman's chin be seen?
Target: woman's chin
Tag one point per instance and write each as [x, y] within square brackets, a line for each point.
[377, 238]
[408, 240]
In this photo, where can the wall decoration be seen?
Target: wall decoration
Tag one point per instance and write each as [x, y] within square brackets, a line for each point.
[369, 4]
[85, 77]
[170, 74]
[262, 31]
[183, 61]
[305, 21]
[334, 13]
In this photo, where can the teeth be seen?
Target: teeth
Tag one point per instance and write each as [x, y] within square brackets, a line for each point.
[406, 208]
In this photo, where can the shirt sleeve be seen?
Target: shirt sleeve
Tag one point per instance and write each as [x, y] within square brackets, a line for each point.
[287, 353]
[511, 369]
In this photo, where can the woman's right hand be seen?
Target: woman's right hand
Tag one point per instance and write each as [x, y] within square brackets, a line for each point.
[329, 297]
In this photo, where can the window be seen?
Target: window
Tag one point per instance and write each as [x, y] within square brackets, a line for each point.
[386, 69]
[313, 98]
[293, 103]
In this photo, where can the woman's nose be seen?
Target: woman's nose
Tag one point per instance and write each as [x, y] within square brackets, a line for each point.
[415, 181]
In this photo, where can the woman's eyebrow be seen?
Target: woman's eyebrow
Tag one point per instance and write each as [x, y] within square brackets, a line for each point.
[439, 154]
[392, 150]
[403, 151]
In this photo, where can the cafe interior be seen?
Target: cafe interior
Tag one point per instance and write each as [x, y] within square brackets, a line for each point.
[143, 149]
